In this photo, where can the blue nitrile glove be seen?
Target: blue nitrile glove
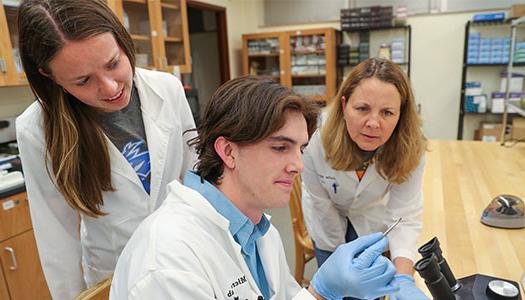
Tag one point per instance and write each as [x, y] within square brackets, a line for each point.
[407, 289]
[357, 269]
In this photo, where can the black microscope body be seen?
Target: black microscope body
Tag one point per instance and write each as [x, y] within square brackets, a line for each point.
[442, 284]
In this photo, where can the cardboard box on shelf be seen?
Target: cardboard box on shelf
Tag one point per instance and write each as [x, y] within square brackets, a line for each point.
[517, 10]
[518, 129]
[488, 132]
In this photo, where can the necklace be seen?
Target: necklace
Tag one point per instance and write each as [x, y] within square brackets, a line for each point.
[367, 160]
[363, 165]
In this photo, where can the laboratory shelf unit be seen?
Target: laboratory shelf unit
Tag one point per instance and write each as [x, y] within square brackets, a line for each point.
[485, 58]
[393, 42]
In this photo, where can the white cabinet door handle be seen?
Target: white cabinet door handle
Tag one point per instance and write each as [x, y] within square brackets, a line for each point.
[14, 266]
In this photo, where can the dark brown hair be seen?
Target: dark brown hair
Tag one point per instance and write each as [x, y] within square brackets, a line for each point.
[76, 145]
[401, 154]
[245, 110]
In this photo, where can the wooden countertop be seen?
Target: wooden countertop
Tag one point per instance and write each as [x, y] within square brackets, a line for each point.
[461, 178]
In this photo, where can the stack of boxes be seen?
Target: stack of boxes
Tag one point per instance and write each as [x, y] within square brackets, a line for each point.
[473, 47]
[366, 17]
[488, 50]
[308, 64]
[263, 46]
[475, 100]
[519, 52]
[398, 50]
[364, 46]
[515, 93]
[354, 55]
[343, 54]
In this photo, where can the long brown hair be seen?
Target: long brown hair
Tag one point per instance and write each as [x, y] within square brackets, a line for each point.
[400, 155]
[245, 110]
[76, 145]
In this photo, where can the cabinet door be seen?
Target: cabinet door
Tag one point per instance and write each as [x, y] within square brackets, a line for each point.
[4, 292]
[172, 26]
[312, 62]
[136, 17]
[14, 216]
[21, 267]
[11, 70]
[264, 55]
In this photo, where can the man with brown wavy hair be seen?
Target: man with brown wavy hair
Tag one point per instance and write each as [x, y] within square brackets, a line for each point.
[211, 238]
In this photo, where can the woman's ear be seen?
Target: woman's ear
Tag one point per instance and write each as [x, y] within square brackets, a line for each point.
[43, 73]
[343, 103]
[225, 150]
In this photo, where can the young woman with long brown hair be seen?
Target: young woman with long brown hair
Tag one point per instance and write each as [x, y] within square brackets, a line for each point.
[100, 143]
[364, 167]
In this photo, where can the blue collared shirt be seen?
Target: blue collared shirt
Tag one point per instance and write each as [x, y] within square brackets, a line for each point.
[244, 232]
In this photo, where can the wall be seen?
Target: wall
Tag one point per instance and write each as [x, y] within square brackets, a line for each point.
[436, 65]
[242, 16]
[13, 100]
[205, 65]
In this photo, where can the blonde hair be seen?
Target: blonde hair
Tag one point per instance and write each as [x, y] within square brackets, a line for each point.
[400, 155]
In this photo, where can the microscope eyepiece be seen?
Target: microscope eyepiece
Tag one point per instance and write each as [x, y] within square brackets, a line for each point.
[429, 270]
[432, 248]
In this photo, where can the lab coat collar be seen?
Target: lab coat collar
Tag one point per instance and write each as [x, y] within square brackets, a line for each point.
[151, 101]
[370, 176]
[240, 226]
[178, 193]
[157, 127]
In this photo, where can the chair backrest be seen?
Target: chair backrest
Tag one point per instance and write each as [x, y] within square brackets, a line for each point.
[100, 291]
[301, 235]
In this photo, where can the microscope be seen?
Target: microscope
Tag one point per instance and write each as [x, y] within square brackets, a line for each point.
[442, 284]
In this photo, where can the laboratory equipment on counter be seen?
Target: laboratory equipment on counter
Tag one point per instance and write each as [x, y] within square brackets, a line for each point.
[11, 180]
[442, 284]
[505, 211]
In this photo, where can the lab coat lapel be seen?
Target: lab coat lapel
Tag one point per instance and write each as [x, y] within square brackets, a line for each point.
[370, 176]
[157, 128]
[120, 165]
[242, 264]
[270, 263]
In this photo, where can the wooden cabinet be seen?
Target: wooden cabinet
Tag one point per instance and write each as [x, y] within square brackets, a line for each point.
[21, 275]
[11, 71]
[303, 60]
[159, 29]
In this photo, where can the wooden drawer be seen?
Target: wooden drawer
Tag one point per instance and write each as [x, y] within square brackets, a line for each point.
[14, 216]
[4, 294]
[21, 267]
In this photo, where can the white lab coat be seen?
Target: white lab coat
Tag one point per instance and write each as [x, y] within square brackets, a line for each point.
[185, 251]
[330, 197]
[62, 251]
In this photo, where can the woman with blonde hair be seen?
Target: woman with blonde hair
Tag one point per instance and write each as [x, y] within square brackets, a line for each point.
[364, 167]
[99, 145]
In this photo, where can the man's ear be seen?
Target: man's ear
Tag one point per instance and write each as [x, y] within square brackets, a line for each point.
[225, 149]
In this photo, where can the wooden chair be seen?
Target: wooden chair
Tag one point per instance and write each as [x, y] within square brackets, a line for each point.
[304, 249]
[100, 291]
